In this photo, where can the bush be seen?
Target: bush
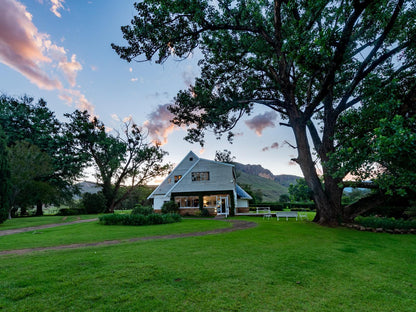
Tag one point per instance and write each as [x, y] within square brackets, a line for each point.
[143, 210]
[386, 223]
[70, 211]
[170, 207]
[205, 212]
[93, 203]
[138, 219]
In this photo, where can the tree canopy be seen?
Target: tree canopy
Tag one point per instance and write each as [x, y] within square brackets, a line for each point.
[126, 158]
[24, 120]
[309, 61]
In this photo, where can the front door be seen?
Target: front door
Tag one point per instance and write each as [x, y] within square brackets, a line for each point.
[222, 205]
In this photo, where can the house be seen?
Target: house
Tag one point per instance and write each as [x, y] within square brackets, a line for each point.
[198, 183]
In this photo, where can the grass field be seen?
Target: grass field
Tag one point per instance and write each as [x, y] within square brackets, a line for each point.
[276, 266]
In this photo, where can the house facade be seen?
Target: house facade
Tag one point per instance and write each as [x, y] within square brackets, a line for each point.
[198, 183]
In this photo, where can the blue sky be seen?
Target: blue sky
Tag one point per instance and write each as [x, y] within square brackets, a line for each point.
[61, 51]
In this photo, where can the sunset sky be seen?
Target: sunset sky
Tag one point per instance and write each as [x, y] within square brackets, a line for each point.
[60, 51]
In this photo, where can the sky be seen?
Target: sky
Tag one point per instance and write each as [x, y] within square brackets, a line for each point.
[60, 51]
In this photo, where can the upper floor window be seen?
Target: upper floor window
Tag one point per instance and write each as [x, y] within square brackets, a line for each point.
[177, 178]
[200, 176]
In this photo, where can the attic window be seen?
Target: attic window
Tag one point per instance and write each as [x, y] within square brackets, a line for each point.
[200, 176]
[177, 178]
[191, 158]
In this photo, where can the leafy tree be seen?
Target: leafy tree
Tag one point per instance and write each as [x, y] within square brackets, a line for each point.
[300, 191]
[224, 156]
[284, 198]
[4, 178]
[24, 120]
[257, 195]
[309, 61]
[29, 168]
[117, 159]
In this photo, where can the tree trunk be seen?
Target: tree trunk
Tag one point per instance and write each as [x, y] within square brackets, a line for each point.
[39, 211]
[328, 200]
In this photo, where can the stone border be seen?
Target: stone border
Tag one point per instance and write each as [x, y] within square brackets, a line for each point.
[237, 225]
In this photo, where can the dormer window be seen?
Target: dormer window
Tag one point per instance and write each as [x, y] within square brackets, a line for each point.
[177, 178]
[200, 176]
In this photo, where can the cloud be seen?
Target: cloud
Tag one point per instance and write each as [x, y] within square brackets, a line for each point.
[93, 68]
[57, 5]
[33, 54]
[70, 69]
[275, 145]
[130, 69]
[260, 122]
[75, 96]
[134, 79]
[159, 125]
[22, 46]
[115, 117]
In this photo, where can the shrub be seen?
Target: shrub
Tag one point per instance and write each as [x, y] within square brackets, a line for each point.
[93, 203]
[386, 223]
[170, 207]
[205, 212]
[143, 210]
[70, 211]
[138, 219]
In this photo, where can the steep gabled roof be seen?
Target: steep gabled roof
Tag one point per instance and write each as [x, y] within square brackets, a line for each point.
[241, 193]
[159, 190]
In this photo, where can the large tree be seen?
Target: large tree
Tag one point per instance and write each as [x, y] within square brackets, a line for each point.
[121, 159]
[25, 120]
[4, 178]
[310, 61]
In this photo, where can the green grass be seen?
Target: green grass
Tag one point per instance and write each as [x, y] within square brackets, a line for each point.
[22, 222]
[276, 266]
[92, 232]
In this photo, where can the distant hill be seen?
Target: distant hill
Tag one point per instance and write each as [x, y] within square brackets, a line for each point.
[272, 186]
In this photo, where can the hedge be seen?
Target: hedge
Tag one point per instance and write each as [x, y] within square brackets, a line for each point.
[138, 219]
[386, 223]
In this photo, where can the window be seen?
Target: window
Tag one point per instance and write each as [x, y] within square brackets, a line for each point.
[200, 176]
[187, 201]
[177, 178]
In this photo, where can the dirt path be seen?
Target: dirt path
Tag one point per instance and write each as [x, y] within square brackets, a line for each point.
[237, 225]
[39, 227]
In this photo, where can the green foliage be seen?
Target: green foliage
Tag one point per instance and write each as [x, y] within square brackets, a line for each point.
[33, 123]
[138, 195]
[205, 212]
[139, 219]
[386, 223]
[143, 210]
[170, 207]
[300, 191]
[4, 178]
[93, 203]
[224, 156]
[284, 198]
[70, 211]
[115, 157]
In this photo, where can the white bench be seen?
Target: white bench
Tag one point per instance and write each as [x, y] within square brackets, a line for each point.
[263, 210]
[286, 214]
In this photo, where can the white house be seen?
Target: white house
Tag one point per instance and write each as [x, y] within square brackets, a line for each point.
[198, 183]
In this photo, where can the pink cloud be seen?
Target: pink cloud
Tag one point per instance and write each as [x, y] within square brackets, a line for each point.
[275, 145]
[75, 96]
[57, 5]
[31, 53]
[21, 45]
[260, 122]
[265, 149]
[70, 69]
[159, 125]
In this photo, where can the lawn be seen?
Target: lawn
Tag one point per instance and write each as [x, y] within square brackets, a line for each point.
[276, 266]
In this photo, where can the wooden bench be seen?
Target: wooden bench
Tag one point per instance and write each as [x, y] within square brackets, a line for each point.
[287, 215]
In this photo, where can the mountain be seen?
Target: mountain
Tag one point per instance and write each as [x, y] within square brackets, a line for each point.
[259, 178]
